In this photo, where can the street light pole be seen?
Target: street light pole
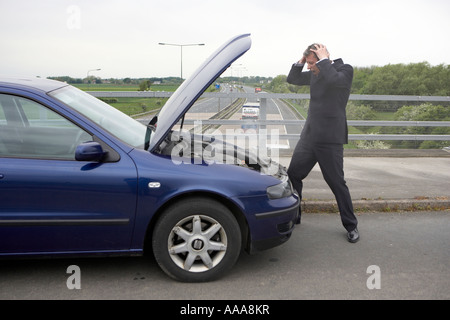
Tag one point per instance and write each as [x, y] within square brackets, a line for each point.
[181, 51]
[90, 71]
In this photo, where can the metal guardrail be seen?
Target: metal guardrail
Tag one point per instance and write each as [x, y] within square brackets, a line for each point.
[263, 96]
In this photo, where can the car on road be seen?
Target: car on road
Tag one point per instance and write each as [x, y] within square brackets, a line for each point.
[80, 178]
[250, 112]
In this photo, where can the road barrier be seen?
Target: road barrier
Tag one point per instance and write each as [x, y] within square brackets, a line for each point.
[263, 122]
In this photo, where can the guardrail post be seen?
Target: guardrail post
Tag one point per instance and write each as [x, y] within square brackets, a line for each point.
[262, 128]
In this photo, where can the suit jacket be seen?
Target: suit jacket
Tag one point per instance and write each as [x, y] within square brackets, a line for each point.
[330, 90]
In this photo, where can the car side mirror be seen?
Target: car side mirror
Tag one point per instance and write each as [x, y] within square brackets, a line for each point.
[89, 151]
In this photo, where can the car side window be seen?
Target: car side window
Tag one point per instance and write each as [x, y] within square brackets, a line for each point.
[31, 130]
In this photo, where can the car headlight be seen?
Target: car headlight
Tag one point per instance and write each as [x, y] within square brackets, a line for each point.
[281, 190]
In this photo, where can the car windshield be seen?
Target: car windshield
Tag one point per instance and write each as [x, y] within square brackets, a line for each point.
[107, 117]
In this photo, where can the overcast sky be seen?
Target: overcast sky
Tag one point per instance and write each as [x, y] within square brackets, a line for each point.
[69, 37]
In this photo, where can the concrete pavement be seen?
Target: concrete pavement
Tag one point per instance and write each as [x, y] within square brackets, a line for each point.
[384, 182]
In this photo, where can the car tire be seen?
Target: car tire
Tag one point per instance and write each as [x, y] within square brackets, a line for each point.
[196, 240]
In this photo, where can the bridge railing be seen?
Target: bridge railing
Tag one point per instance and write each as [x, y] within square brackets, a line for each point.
[263, 122]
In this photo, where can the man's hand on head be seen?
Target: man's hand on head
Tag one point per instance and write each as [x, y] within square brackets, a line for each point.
[321, 51]
[302, 60]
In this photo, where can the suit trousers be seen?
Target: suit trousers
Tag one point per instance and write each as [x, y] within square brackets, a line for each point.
[330, 157]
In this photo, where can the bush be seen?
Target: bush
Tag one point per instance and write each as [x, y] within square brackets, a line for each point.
[109, 100]
[423, 112]
[359, 112]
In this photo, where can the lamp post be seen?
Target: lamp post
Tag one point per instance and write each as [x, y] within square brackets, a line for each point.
[181, 51]
[87, 76]
[239, 68]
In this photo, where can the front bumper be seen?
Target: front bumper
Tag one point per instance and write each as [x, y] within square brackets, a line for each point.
[273, 228]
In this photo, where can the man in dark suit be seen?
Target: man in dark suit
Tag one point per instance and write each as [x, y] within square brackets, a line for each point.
[325, 131]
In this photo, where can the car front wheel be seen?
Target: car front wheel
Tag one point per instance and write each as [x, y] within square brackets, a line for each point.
[196, 240]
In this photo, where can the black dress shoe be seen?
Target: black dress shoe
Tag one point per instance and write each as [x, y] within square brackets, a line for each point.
[353, 236]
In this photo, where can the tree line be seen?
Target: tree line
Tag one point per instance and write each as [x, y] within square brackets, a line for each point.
[419, 79]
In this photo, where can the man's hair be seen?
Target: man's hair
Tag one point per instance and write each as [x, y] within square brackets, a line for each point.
[308, 50]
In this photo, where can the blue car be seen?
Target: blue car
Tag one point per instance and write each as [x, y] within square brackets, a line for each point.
[80, 178]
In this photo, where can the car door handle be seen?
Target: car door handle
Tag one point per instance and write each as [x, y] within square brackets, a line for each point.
[1, 176]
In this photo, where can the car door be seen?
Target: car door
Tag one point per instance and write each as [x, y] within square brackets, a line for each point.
[49, 202]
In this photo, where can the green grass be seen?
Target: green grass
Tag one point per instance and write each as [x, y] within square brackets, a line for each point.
[122, 87]
[106, 87]
[129, 106]
[132, 106]
[299, 108]
[385, 116]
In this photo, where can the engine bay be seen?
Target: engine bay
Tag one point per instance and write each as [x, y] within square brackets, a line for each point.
[185, 147]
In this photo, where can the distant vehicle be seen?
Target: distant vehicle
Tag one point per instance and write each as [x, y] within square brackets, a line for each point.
[250, 111]
[257, 90]
[78, 177]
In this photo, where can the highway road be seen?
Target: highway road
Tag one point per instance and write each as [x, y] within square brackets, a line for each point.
[400, 256]
[206, 107]
[275, 110]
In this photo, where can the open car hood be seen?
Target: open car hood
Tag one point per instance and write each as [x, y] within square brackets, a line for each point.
[191, 89]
